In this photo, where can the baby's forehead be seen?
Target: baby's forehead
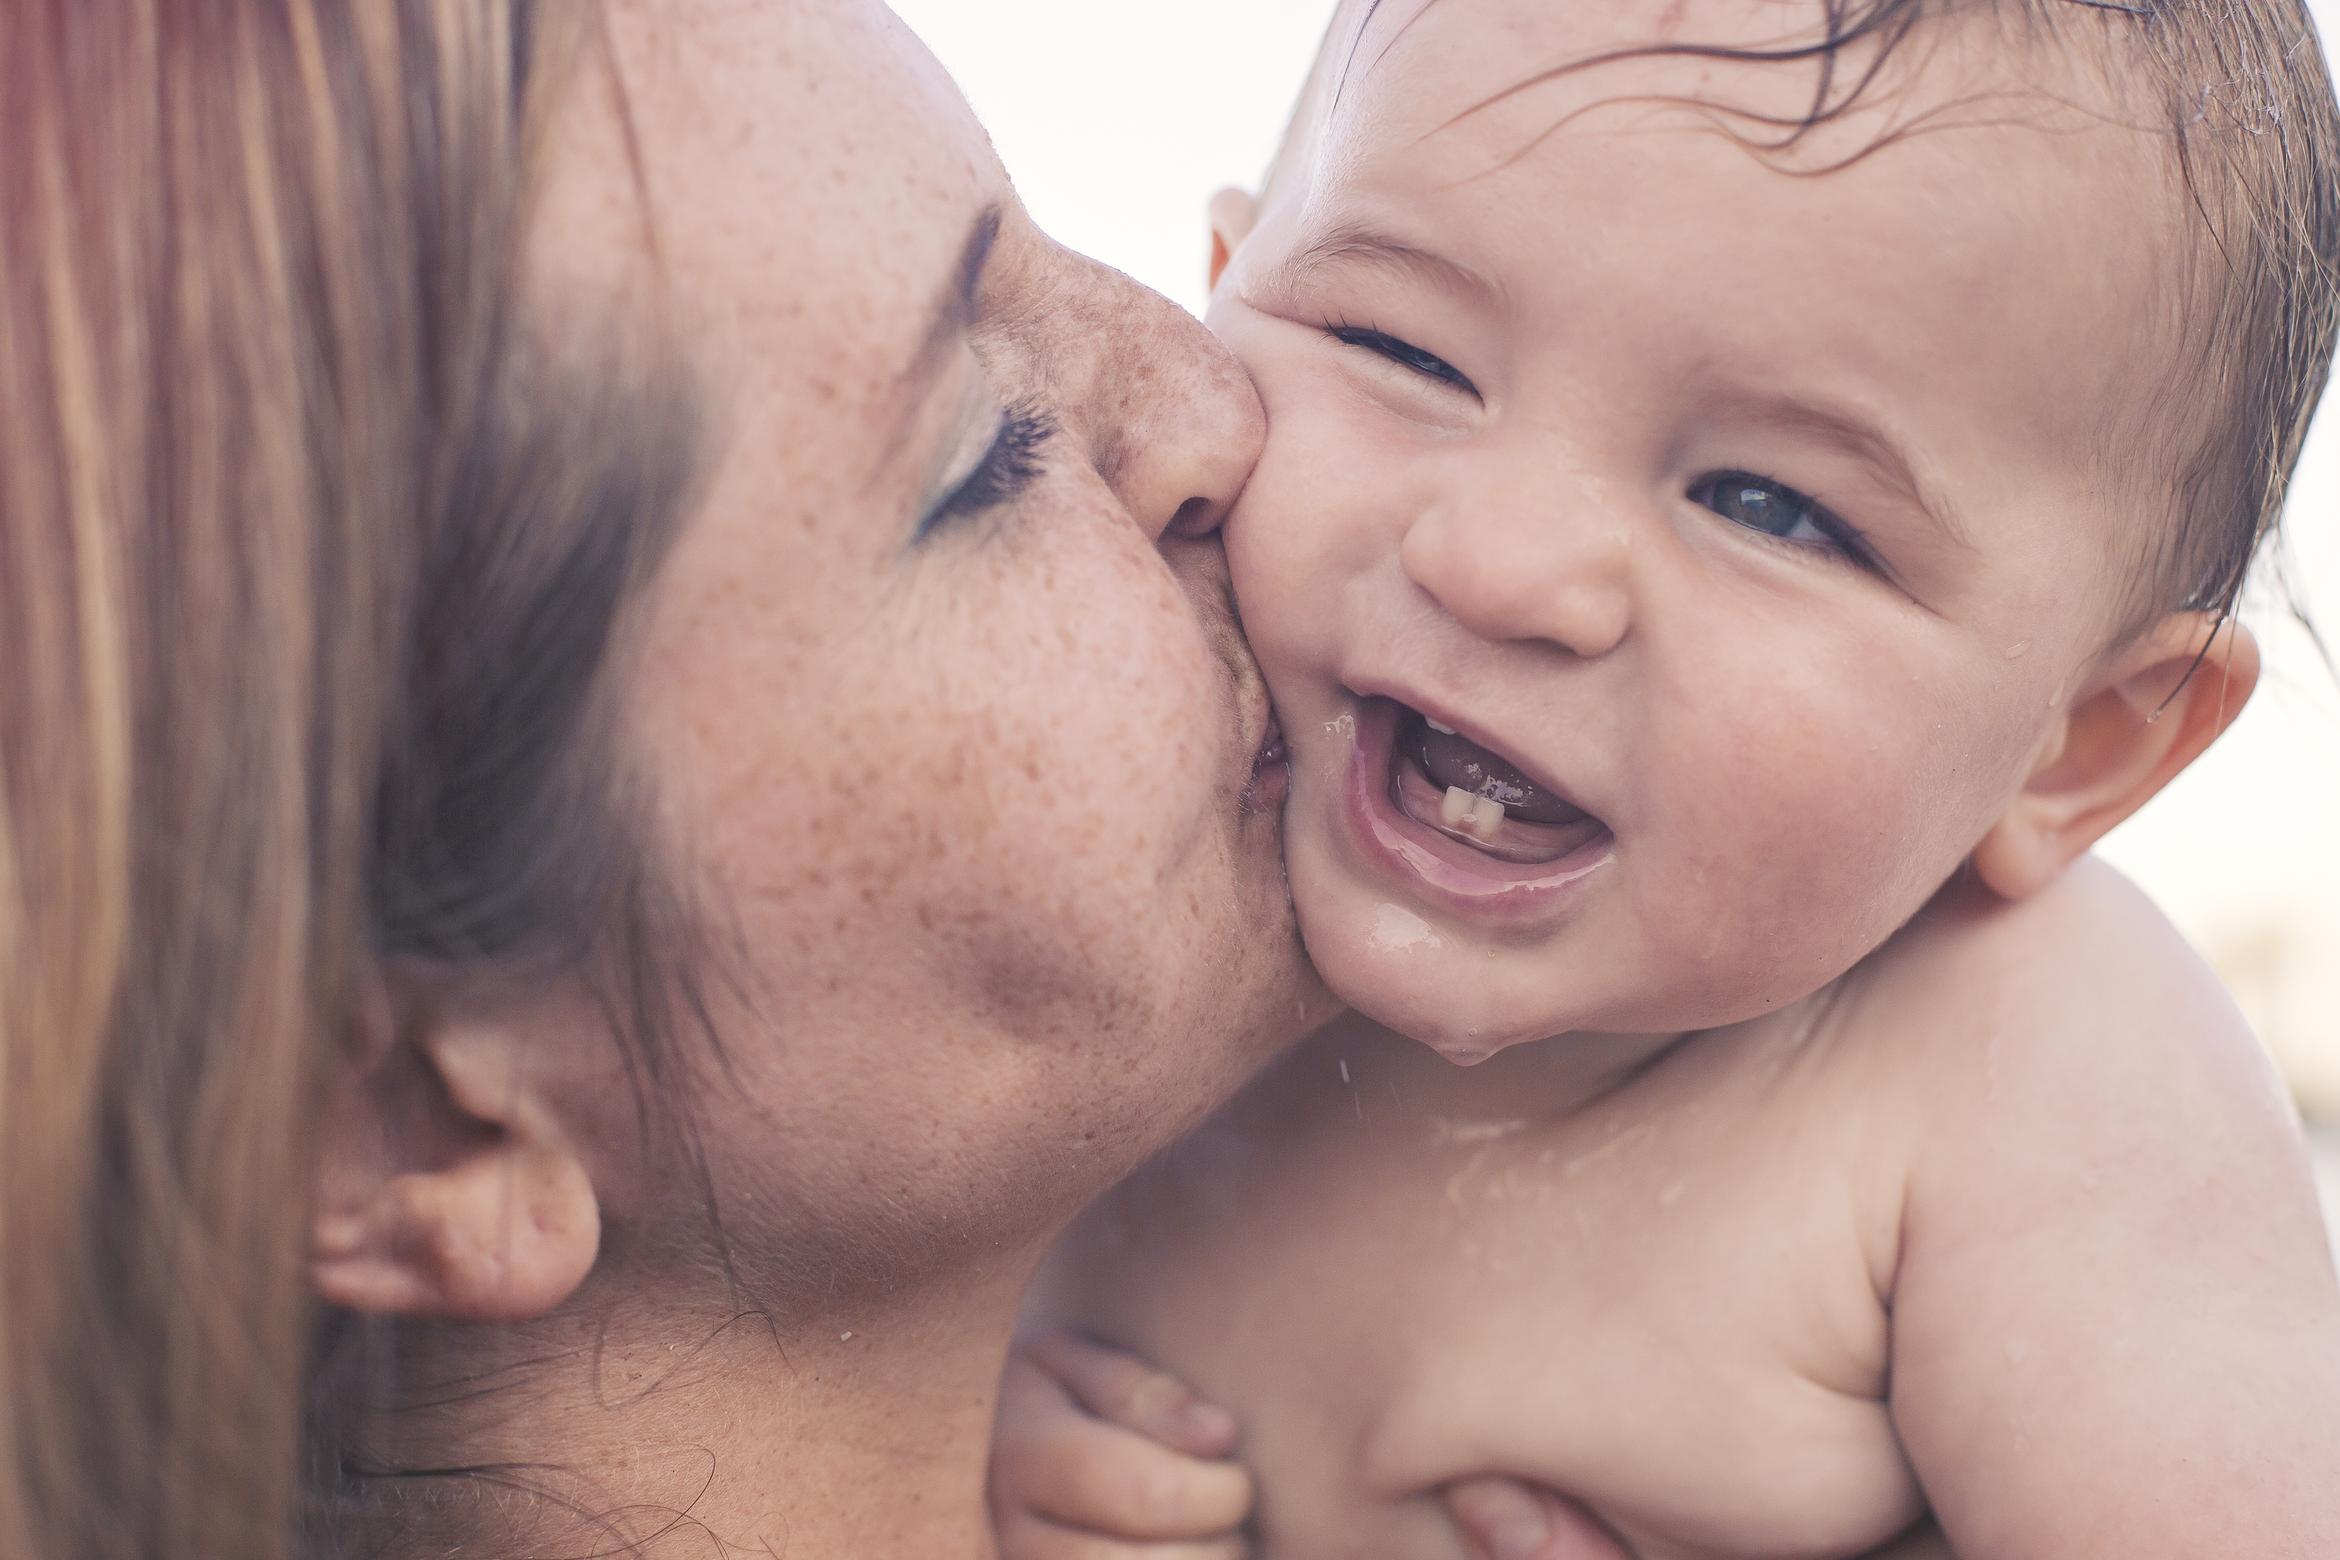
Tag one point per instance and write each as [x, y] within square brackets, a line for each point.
[1462, 75]
[1982, 242]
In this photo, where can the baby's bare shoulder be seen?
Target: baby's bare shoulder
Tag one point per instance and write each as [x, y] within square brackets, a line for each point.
[2085, 985]
[2109, 1239]
[2066, 1042]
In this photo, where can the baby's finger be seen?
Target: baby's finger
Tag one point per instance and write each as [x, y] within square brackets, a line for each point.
[1127, 1391]
[1105, 1479]
[1505, 1519]
[1035, 1538]
[1053, 1461]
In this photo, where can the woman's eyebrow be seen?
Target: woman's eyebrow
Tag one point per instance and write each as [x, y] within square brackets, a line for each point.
[954, 310]
[952, 315]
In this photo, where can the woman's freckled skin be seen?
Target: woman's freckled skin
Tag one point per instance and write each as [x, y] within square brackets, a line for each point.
[974, 796]
[934, 778]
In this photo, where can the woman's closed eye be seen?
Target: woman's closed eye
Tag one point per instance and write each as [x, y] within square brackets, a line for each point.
[1775, 510]
[1014, 461]
[1402, 353]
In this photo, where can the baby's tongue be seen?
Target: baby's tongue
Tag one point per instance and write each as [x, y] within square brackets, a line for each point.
[1457, 761]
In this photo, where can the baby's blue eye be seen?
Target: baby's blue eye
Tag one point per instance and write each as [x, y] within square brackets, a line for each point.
[1776, 510]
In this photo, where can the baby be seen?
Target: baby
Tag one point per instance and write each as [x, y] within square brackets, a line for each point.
[1756, 489]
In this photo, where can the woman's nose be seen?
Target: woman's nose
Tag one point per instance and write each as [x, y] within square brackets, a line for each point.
[1528, 577]
[1178, 426]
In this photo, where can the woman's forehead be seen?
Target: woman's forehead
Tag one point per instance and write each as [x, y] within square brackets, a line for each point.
[809, 170]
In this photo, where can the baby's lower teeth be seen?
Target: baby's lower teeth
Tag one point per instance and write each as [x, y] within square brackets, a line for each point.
[1462, 810]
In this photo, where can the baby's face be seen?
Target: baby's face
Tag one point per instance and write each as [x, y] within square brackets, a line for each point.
[1749, 529]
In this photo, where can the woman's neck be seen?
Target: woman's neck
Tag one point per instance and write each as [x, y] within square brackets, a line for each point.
[622, 1421]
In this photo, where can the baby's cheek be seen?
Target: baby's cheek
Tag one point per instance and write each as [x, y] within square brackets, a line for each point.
[1322, 507]
[1273, 539]
[1790, 874]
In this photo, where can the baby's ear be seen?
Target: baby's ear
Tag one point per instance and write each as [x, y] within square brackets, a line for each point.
[1233, 215]
[2150, 710]
[445, 1184]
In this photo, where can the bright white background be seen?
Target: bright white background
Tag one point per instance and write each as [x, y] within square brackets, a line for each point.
[1119, 117]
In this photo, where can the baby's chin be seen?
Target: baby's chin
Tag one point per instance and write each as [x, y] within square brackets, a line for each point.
[1391, 965]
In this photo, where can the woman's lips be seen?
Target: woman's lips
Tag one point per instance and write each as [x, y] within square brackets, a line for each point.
[1265, 776]
[1394, 816]
[1271, 769]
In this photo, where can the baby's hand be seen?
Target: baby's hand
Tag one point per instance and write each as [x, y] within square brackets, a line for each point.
[1505, 1519]
[1099, 1456]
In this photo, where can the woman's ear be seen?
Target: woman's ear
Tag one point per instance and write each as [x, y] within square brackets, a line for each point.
[2150, 712]
[445, 1185]
[1233, 215]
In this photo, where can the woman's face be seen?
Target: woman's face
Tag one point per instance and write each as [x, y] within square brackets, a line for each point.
[941, 683]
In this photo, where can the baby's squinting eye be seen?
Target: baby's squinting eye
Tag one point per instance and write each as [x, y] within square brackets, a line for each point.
[1405, 354]
[1778, 511]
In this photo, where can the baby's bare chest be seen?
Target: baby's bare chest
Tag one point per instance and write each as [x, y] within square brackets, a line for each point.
[1664, 1305]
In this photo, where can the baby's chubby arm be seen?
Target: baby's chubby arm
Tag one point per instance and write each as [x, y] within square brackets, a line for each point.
[2116, 1329]
[1099, 1456]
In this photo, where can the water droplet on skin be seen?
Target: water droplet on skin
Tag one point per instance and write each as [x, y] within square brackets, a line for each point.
[1398, 930]
[1447, 1129]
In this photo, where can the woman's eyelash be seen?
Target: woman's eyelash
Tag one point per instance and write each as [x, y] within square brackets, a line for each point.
[1007, 469]
[1403, 353]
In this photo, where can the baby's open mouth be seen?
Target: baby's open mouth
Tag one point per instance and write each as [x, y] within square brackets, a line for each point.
[1470, 794]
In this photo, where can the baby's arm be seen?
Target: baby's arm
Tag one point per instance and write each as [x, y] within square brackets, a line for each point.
[2116, 1330]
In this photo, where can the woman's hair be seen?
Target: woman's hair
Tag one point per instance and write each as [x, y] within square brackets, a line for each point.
[2241, 93]
[312, 577]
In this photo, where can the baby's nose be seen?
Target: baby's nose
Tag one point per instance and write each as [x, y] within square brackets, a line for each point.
[1535, 578]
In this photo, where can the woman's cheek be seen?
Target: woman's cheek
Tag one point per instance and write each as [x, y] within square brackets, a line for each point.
[1122, 708]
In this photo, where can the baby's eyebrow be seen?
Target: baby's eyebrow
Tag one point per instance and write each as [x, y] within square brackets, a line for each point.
[1860, 437]
[1356, 243]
